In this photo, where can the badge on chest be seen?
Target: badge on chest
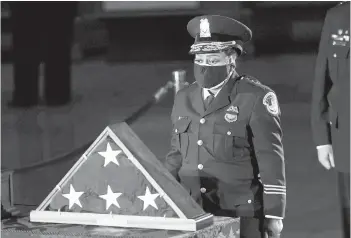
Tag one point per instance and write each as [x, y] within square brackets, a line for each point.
[231, 114]
[341, 38]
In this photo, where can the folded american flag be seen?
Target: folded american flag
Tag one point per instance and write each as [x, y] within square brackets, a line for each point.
[119, 182]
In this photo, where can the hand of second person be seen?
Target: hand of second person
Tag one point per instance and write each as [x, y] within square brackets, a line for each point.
[326, 156]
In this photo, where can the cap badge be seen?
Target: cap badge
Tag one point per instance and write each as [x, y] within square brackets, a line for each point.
[204, 28]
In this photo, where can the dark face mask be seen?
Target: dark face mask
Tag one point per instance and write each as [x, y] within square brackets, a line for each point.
[209, 76]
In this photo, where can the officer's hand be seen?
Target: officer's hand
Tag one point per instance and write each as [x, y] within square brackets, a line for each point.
[326, 156]
[273, 227]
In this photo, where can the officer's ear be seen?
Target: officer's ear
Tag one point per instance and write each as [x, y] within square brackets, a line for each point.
[232, 55]
[232, 59]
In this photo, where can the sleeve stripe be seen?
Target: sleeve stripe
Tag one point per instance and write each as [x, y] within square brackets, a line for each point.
[273, 186]
[283, 193]
[275, 189]
[275, 217]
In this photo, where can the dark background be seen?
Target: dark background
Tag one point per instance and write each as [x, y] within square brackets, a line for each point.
[121, 58]
[144, 35]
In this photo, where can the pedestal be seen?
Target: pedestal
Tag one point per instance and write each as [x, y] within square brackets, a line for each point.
[223, 227]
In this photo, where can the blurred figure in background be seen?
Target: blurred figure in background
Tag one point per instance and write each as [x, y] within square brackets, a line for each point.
[330, 115]
[226, 146]
[42, 31]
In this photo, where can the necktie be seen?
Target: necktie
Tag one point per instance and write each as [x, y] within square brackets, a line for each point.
[208, 100]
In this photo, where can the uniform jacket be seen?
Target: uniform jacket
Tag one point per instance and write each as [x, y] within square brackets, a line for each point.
[330, 114]
[231, 152]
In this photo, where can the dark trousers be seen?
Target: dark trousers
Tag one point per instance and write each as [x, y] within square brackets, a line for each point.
[344, 194]
[250, 227]
[42, 32]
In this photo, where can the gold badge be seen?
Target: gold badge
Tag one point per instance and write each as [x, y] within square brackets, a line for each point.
[233, 109]
[230, 117]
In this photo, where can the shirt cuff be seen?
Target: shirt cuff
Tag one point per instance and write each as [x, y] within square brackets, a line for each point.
[274, 217]
[322, 146]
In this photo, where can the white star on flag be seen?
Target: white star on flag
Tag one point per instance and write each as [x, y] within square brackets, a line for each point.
[149, 199]
[110, 155]
[73, 197]
[111, 197]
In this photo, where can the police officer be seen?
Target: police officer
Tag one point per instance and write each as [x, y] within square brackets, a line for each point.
[330, 114]
[226, 146]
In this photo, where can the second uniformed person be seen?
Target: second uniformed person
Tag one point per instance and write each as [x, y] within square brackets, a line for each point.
[330, 107]
[226, 146]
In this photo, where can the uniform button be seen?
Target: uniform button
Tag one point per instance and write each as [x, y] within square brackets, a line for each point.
[176, 130]
[334, 55]
[229, 133]
[200, 142]
[249, 201]
[331, 123]
[203, 190]
[334, 43]
[202, 120]
[200, 166]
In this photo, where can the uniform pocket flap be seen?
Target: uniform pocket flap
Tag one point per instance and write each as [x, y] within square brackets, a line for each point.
[243, 199]
[181, 125]
[236, 129]
[340, 52]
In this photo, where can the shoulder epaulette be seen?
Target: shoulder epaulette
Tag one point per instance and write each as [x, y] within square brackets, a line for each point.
[255, 82]
[187, 87]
